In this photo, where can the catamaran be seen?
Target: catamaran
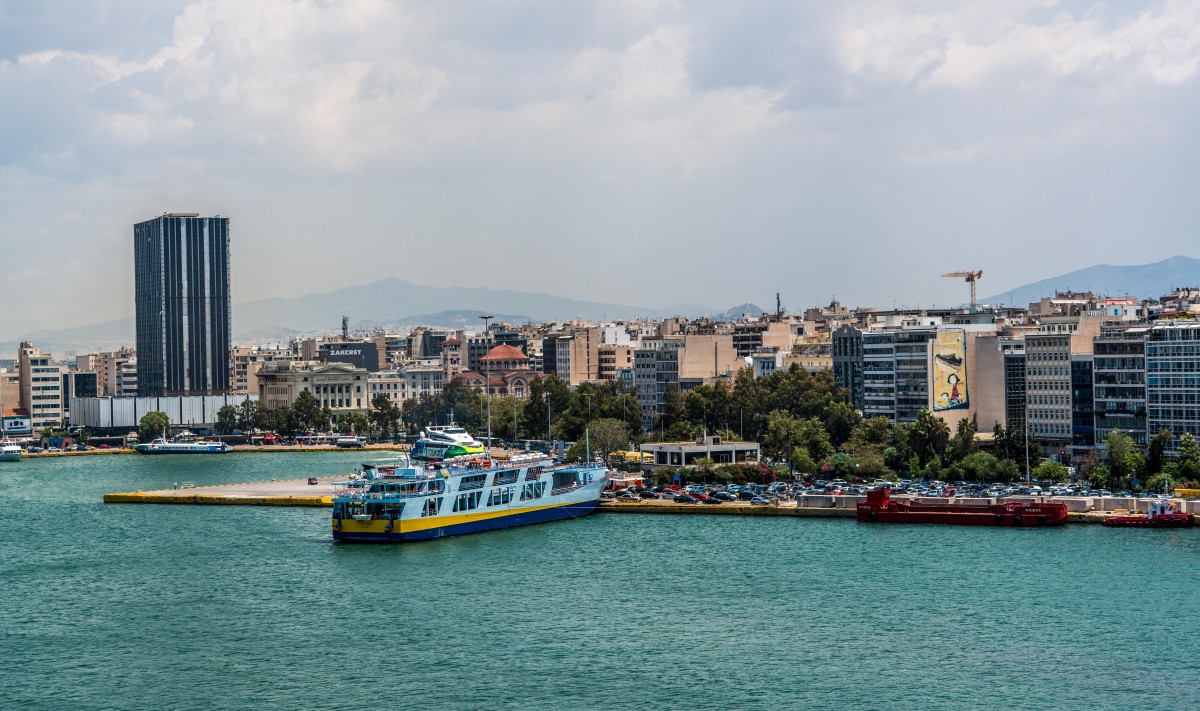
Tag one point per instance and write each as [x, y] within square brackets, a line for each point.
[164, 446]
[440, 442]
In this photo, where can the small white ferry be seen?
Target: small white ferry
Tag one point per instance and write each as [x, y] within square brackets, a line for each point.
[164, 446]
[10, 451]
[467, 495]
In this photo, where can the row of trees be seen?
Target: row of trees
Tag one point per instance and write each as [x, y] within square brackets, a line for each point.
[307, 415]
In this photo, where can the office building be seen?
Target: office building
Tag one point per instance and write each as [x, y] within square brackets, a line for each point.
[181, 266]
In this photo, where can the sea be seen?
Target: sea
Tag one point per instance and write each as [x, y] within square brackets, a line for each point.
[117, 606]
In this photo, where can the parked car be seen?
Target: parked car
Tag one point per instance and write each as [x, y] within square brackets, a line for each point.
[759, 501]
[650, 495]
[724, 496]
[710, 500]
[685, 499]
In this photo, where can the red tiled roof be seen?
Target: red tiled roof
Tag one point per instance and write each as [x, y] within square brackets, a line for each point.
[505, 352]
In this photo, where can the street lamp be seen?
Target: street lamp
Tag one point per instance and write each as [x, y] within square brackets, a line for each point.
[487, 382]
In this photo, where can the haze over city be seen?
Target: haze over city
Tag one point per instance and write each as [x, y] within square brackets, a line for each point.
[628, 152]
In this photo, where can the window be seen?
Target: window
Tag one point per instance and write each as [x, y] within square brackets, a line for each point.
[501, 496]
[468, 502]
[432, 507]
[533, 490]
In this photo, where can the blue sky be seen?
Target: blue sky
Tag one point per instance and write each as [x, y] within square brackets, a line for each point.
[636, 151]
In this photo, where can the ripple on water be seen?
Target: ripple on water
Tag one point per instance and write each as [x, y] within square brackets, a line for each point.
[228, 608]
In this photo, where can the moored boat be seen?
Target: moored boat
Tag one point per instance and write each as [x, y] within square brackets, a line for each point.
[164, 446]
[465, 496]
[441, 442]
[10, 451]
[879, 507]
[1162, 514]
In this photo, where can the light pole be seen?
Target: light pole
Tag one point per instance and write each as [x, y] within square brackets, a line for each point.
[487, 382]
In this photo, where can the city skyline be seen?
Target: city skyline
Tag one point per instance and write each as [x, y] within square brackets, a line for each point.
[629, 153]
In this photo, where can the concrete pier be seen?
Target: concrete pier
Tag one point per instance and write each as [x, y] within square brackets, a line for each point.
[298, 492]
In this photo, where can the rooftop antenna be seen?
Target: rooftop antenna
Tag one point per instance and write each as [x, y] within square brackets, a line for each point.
[345, 328]
[778, 308]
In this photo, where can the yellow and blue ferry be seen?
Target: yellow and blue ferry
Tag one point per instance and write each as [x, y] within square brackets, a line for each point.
[465, 495]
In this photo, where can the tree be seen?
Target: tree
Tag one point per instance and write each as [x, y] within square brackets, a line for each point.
[252, 415]
[1189, 457]
[385, 414]
[226, 419]
[1050, 470]
[929, 437]
[980, 466]
[283, 421]
[1100, 476]
[841, 421]
[607, 435]
[152, 425]
[307, 412]
[1117, 450]
[963, 442]
[840, 465]
[1156, 452]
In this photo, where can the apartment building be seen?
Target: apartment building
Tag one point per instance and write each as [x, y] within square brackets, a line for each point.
[1173, 379]
[41, 387]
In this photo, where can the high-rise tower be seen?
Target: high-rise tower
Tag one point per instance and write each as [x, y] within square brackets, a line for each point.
[181, 263]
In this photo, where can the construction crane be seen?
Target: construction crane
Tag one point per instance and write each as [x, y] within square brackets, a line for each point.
[970, 278]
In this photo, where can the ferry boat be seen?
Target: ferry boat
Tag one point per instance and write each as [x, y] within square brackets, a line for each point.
[440, 442]
[879, 507]
[1162, 514]
[467, 495]
[164, 446]
[10, 451]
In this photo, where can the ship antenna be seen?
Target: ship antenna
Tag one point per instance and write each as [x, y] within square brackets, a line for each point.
[587, 444]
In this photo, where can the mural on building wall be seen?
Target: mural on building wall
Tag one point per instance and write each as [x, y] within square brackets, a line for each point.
[949, 384]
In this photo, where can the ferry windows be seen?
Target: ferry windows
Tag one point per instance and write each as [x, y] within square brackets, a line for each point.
[501, 496]
[533, 490]
[432, 507]
[508, 476]
[475, 481]
[467, 502]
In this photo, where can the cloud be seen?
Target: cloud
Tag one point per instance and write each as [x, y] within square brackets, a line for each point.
[689, 134]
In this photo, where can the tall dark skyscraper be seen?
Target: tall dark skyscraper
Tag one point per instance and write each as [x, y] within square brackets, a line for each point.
[182, 297]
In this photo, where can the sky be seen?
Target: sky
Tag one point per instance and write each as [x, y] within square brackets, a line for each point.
[636, 151]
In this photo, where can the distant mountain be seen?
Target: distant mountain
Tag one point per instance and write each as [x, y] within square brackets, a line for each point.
[464, 319]
[388, 302]
[738, 311]
[1142, 281]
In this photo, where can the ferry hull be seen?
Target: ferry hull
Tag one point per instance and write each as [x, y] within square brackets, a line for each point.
[375, 531]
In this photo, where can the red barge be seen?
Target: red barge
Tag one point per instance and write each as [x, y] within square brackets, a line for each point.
[879, 507]
[1162, 514]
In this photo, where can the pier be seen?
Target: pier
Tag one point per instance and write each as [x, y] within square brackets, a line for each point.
[298, 492]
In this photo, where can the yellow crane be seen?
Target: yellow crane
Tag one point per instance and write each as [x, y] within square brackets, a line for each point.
[970, 278]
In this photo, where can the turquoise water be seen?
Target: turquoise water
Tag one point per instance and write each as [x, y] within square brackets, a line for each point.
[176, 607]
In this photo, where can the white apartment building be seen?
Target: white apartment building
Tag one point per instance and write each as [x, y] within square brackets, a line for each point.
[41, 387]
[388, 382]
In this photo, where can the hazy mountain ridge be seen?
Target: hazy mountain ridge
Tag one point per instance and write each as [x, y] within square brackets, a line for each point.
[390, 302]
[398, 303]
[1144, 281]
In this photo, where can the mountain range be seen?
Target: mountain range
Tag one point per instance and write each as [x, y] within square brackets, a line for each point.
[1144, 281]
[395, 303]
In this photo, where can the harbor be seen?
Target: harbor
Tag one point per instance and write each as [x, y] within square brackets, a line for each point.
[147, 593]
[299, 492]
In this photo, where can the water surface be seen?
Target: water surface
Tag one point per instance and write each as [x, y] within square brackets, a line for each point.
[181, 607]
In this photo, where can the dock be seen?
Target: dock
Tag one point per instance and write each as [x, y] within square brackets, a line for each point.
[298, 492]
